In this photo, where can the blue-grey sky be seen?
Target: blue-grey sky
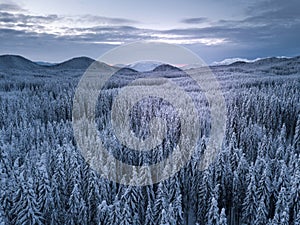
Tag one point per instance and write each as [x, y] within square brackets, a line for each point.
[57, 30]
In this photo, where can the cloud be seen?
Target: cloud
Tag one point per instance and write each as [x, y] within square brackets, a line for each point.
[281, 8]
[9, 7]
[264, 24]
[264, 30]
[6, 17]
[71, 27]
[197, 20]
[102, 19]
[86, 29]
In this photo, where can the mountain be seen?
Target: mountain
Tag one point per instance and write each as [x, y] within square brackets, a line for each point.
[144, 66]
[79, 64]
[230, 61]
[257, 61]
[238, 63]
[83, 63]
[41, 63]
[16, 62]
[75, 63]
[273, 65]
[273, 60]
[269, 62]
[166, 67]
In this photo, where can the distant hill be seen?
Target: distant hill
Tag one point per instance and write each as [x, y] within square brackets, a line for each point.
[273, 65]
[267, 61]
[257, 62]
[230, 61]
[272, 60]
[166, 67]
[75, 63]
[16, 62]
[144, 66]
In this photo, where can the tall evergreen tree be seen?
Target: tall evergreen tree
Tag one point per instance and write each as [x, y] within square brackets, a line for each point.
[250, 203]
[3, 218]
[213, 213]
[223, 218]
[295, 195]
[282, 208]
[77, 208]
[296, 138]
[25, 208]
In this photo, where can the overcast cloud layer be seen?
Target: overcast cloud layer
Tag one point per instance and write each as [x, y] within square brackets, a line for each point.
[261, 29]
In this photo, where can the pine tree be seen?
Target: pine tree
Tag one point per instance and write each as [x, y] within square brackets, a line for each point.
[57, 213]
[250, 203]
[239, 189]
[295, 195]
[167, 217]
[94, 197]
[164, 218]
[204, 193]
[222, 169]
[133, 200]
[161, 202]
[127, 215]
[77, 208]
[297, 220]
[4, 186]
[3, 218]
[60, 177]
[264, 188]
[262, 213]
[282, 209]
[25, 208]
[149, 219]
[213, 213]
[102, 213]
[44, 193]
[117, 212]
[296, 138]
[223, 218]
[283, 179]
[177, 209]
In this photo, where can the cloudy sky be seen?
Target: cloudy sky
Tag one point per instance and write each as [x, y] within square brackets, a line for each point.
[57, 30]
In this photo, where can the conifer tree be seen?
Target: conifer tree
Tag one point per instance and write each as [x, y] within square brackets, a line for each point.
[223, 218]
[213, 213]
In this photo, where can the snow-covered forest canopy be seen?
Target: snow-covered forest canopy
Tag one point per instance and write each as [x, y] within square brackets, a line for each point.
[255, 178]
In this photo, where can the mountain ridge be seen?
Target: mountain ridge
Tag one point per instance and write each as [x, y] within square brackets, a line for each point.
[17, 62]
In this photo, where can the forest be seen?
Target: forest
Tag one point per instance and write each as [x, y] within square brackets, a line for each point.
[255, 178]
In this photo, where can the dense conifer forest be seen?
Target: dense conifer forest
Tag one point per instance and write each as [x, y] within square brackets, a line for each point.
[255, 178]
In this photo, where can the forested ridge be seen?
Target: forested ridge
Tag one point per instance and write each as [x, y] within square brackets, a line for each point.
[255, 178]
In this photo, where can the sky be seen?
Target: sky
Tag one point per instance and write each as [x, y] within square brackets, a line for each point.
[58, 30]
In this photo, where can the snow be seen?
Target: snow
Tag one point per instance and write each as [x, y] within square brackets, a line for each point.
[233, 60]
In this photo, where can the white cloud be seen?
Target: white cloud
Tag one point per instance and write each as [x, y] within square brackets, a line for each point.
[190, 41]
